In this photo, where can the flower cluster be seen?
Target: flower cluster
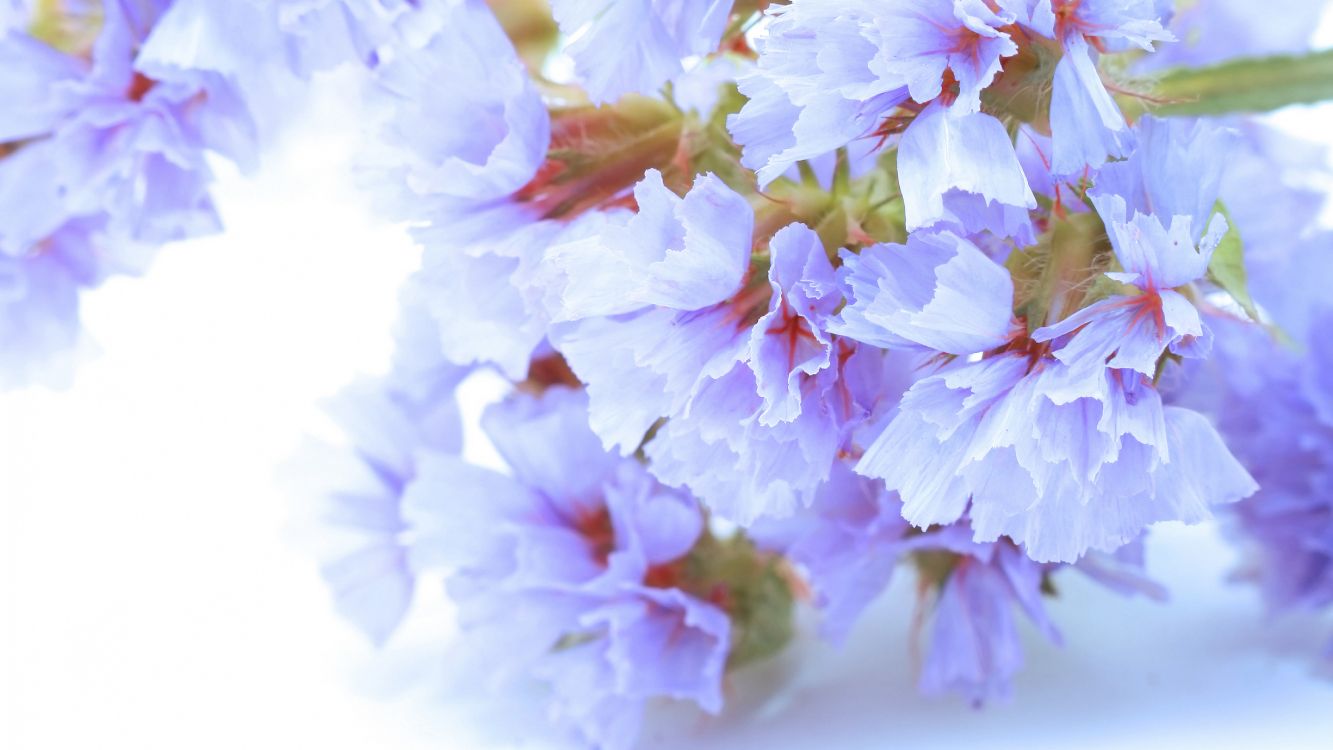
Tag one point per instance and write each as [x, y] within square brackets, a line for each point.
[791, 295]
[794, 295]
[111, 108]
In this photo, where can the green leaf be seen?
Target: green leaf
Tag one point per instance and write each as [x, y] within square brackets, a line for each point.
[1258, 84]
[1227, 268]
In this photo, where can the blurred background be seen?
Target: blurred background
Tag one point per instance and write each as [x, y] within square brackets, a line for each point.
[156, 595]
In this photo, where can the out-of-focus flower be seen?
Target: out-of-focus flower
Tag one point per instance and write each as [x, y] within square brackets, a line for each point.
[634, 46]
[579, 568]
[102, 158]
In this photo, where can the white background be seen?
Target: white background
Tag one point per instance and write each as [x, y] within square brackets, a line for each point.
[153, 598]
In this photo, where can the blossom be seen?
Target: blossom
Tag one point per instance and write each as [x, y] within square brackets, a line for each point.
[849, 545]
[251, 40]
[1270, 401]
[102, 158]
[1056, 447]
[758, 398]
[684, 253]
[959, 169]
[39, 309]
[635, 46]
[914, 294]
[588, 547]
[829, 74]
[1087, 126]
[1211, 31]
[1130, 332]
[458, 184]
[855, 540]
[974, 646]
[353, 516]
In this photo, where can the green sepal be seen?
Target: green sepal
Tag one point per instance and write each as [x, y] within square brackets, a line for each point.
[1227, 268]
[1067, 265]
[751, 587]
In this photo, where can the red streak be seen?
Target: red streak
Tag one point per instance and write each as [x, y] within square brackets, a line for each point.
[139, 87]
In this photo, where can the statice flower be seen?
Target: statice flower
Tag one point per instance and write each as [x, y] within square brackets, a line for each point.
[1086, 124]
[352, 514]
[974, 648]
[458, 184]
[123, 132]
[908, 295]
[1268, 385]
[39, 308]
[1057, 440]
[832, 73]
[635, 46]
[853, 542]
[102, 158]
[573, 568]
[758, 398]
[1211, 31]
[253, 40]
[1272, 402]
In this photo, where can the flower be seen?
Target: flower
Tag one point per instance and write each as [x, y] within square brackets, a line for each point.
[974, 646]
[758, 398]
[458, 185]
[958, 169]
[1211, 31]
[635, 46]
[1087, 126]
[591, 550]
[832, 73]
[102, 158]
[1051, 445]
[901, 295]
[354, 517]
[854, 540]
[1271, 402]
[40, 334]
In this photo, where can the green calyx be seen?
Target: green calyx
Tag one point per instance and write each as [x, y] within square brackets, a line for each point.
[753, 587]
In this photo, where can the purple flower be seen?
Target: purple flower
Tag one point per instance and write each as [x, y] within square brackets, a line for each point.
[974, 646]
[1176, 170]
[1130, 332]
[759, 437]
[589, 548]
[937, 291]
[831, 73]
[354, 515]
[635, 46]
[1051, 446]
[40, 334]
[457, 184]
[758, 397]
[1271, 402]
[853, 541]
[127, 133]
[102, 157]
[1087, 126]
[683, 253]
[1211, 31]
[958, 169]
[848, 544]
